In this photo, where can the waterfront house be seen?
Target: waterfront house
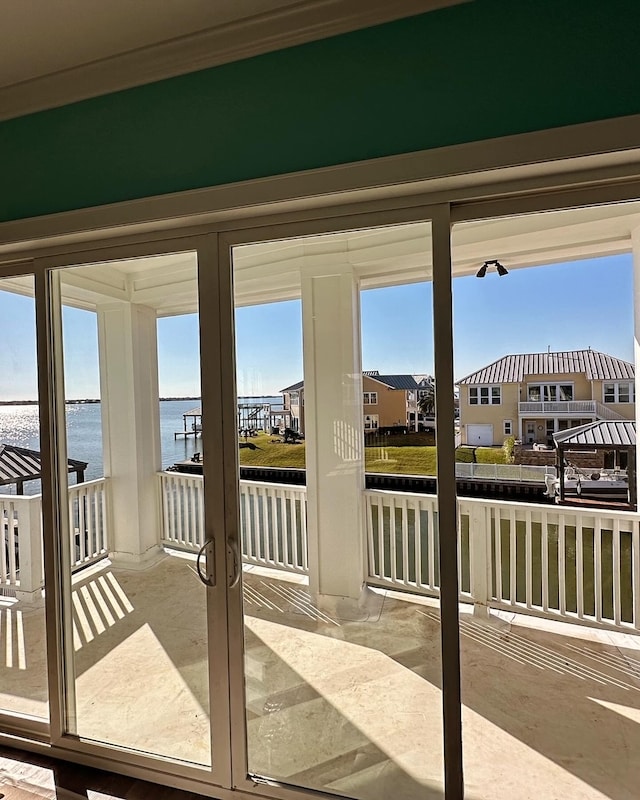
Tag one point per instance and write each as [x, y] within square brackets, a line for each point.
[389, 402]
[533, 395]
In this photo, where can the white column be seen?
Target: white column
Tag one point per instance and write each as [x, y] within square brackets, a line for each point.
[480, 556]
[334, 430]
[127, 342]
[29, 510]
[635, 240]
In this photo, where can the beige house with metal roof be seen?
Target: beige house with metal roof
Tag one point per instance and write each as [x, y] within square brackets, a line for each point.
[534, 395]
[388, 401]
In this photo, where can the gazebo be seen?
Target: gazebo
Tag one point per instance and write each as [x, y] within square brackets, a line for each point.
[613, 436]
[19, 465]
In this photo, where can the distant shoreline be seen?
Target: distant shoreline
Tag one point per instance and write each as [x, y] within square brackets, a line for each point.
[89, 401]
[83, 401]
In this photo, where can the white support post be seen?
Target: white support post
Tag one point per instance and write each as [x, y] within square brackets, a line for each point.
[127, 342]
[334, 432]
[635, 240]
[479, 555]
[30, 548]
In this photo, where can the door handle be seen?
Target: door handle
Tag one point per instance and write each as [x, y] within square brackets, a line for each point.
[208, 577]
[232, 544]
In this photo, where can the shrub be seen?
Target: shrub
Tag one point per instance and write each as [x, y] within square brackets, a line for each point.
[508, 448]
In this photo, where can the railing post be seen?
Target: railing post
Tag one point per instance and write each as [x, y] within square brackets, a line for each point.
[479, 558]
[30, 549]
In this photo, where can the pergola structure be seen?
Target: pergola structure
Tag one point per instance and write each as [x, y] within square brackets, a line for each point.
[602, 435]
[18, 465]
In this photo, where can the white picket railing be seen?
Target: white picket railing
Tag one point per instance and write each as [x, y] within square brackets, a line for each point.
[561, 563]
[20, 542]
[21, 564]
[568, 407]
[182, 510]
[273, 520]
[558, 562]
[88, 522]
[522, 473]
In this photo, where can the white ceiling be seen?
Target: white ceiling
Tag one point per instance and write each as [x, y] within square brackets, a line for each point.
[40, 37]
[54, 52]
[388, 256]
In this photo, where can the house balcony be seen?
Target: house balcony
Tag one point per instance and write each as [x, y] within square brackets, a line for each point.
[567, 408]
[550, 602]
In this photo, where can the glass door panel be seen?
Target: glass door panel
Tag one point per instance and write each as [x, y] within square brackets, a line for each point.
[342, 670]
[548, 663]
[23, 663]
[135, 610]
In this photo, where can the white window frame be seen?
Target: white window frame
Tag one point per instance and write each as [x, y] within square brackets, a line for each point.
[369, 420]
[630, 385]
[370, 398]
[507, 427]
[544, 387]
[476, 393]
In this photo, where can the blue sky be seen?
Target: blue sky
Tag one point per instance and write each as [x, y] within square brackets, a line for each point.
[564, 306]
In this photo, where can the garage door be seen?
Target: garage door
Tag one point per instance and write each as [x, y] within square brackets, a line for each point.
[480, 435]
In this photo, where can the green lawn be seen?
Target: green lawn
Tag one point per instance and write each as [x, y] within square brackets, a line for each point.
[408, 455]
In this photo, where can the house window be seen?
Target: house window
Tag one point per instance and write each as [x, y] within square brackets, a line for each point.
[485, 395]
[370, 399]
[507, 427]
[566, 391]
[550, 392]
[620, 392]
[371, 422]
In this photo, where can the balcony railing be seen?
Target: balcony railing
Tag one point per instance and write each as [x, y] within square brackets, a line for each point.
[579, 566]
[521, 473]
[561, 408]
[21, 564]
[562, 564]
[567, 564]
[273, 519]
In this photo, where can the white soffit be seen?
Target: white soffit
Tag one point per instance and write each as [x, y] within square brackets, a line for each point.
[271, 271]
[54, 52]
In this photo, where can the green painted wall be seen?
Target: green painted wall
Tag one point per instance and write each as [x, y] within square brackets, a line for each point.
[475, 71]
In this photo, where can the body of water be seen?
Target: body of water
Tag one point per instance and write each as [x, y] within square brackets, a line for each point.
[19, 426]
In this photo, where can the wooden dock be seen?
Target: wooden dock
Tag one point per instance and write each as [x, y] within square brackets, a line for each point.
[194, 428]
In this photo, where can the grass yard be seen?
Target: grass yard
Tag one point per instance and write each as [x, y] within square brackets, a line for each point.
[265, 451]
[406, 455]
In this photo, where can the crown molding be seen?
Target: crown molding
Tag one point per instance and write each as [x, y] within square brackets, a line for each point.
[303, 22]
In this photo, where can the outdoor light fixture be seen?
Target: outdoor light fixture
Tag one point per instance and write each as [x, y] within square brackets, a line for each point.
[492, 263]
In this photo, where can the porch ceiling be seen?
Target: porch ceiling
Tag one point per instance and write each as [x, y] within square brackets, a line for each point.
[270, 271]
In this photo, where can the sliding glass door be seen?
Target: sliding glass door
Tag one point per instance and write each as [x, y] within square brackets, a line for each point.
[337, 674]
[134, 523]
[243, 507]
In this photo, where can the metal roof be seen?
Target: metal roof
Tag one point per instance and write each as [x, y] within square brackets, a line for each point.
[397, 381]
[603, 433]
[514, 368]
[17, 464]
[392, 381]
[293, 388]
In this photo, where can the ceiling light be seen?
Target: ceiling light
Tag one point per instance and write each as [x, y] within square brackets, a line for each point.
[492, 263]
